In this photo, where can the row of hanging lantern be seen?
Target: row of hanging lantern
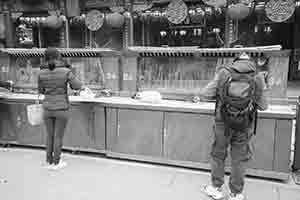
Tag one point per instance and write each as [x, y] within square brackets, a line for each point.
[113, 20]
[195, 14]
[51, 21]
[32, 20]
[182, 33]
[263, 28]
[274, 10]
[237, 11]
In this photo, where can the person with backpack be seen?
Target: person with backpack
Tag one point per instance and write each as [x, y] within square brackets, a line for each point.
[238, 92]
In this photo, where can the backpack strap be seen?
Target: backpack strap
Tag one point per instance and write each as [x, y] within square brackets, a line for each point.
[236, 75]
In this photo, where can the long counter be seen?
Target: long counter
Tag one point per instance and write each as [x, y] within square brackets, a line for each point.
[169, 132]
[164, 105]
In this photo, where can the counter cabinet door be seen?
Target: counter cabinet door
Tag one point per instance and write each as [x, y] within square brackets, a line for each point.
[80, 134]
[99, 127]
[135, 132]
[262, 145]
[188, 137]
[8, 131]
[17, 127]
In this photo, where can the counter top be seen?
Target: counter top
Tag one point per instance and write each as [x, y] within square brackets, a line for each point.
[274, 111]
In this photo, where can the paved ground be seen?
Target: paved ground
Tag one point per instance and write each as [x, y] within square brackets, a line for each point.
[22, 177]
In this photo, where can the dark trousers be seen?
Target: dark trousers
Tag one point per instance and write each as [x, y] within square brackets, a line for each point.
[55, 122]
[240, 152]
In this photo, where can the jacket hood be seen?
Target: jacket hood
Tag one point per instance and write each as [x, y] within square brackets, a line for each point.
[244, 66]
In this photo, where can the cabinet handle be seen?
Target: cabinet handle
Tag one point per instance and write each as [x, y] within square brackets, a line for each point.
[118, 130]
[165, 132]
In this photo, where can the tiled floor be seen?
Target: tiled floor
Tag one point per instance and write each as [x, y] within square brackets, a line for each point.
[22, 177]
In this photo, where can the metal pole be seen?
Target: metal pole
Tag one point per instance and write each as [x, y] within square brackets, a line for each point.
[67, 33]
[40, 37]
[91, 38]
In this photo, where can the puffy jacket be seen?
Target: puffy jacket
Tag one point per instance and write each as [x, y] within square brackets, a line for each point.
[211, 91]
[54, 85]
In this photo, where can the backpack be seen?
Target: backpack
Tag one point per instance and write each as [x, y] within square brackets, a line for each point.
[237, 99]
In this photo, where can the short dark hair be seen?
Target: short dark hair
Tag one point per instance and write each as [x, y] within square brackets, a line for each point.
[51, 53]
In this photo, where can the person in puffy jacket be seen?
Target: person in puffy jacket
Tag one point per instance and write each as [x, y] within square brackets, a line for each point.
[53, 82]
[224, 136]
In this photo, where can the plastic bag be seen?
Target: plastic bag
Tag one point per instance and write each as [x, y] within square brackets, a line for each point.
[87, 92]
[149, 96]
[35, 114]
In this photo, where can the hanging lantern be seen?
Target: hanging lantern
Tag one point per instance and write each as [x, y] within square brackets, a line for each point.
[115, 20]
[297, 9]
[127, 14]
[53, 21]
[143, 17]
[77, 21]
[163, 33]
[209, 14]
[259, 10]
[219, 13]
[216, 30]
[198, 16]
[135, 16]
[192, 12]
[260, 7]
[182, 32]
[163, 17]
[155, 15]
[238, 11]
[256, 29]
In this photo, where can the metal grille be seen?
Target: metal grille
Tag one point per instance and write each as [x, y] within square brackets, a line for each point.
[64, 52]
[192, 51]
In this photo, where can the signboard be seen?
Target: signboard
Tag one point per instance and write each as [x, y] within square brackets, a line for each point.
[25, 34]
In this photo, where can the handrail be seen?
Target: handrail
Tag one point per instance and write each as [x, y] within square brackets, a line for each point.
[207, 52]
[143, 51]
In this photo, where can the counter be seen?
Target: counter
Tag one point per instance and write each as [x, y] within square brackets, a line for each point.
[281, 111]
[170, 132]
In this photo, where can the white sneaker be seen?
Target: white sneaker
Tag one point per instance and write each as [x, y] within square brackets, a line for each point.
[46, 165]
[58, 166]
[236, 196]
[213, 192]
[49, 166]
